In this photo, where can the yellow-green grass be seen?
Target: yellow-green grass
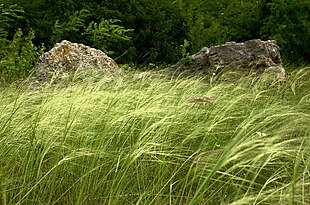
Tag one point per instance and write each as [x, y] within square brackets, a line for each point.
[139, 140]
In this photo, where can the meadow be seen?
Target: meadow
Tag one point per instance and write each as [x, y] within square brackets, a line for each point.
[139, 139]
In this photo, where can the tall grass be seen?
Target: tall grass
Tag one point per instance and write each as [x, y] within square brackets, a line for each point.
[138, 140]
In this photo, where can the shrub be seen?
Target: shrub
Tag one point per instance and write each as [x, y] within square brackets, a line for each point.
[17, 53]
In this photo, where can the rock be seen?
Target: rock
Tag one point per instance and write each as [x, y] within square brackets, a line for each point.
[256, 54]
[68, 60]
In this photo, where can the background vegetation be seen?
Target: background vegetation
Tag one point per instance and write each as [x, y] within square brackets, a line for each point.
[149, 31]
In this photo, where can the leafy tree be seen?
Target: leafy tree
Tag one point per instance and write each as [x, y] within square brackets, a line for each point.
[202, 21]
[160, 26]
[158, 30]
[71, 28]
[17, 55]
[242, 20]
[216, 22]
[289, 24]
[78, 28]
[106, 34]
[7, 18]
[21, 56]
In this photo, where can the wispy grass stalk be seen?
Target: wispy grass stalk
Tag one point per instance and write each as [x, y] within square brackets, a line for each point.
[138, 140]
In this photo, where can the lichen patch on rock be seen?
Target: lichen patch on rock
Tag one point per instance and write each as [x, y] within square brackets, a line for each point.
[66, 59]
[252, 54]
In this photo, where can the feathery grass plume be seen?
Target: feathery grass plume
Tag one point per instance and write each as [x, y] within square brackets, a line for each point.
[137, 140]
[194, 99]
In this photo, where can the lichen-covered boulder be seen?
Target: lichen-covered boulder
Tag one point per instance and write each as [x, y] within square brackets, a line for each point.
[255, 54]
[68, 60]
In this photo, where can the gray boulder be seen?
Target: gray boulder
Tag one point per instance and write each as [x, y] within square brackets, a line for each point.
[255, 54]
[68, 60]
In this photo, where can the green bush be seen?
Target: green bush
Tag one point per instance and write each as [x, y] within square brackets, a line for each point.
[21, 56]
[17, 55]
[80, 29]
[107, 34]
[288, 23]
[71, 28]
[160, 26]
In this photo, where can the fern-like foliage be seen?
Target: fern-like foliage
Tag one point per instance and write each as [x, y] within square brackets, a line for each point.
[106, 33]
[7, 16]
[79, 28]
[18, 54]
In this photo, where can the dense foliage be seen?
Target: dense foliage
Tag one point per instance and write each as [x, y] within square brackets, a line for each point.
[152, 31]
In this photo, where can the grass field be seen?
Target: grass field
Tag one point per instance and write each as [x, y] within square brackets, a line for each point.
[140, 140]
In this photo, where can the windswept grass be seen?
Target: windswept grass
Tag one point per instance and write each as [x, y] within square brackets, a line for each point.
[139, 140]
